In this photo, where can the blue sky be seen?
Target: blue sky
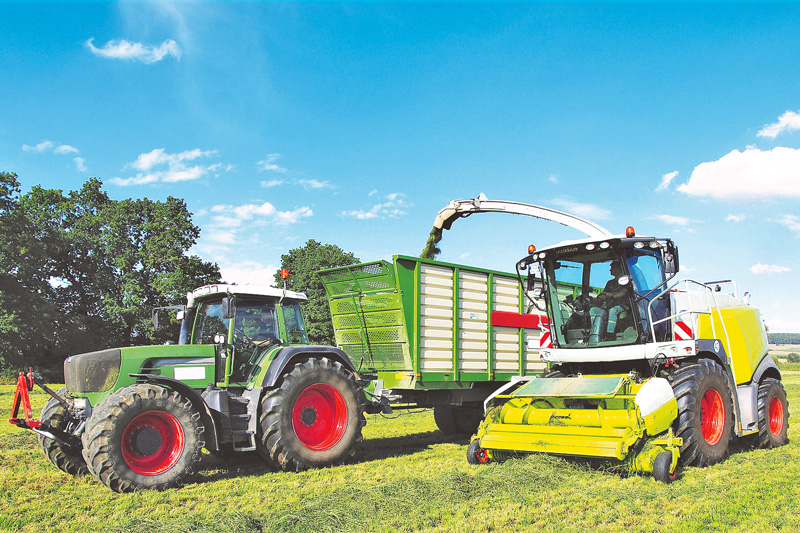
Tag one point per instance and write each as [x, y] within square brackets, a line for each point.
[354, 123]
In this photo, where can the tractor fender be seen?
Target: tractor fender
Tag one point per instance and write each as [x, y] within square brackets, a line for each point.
[210, 431]
[292, 354]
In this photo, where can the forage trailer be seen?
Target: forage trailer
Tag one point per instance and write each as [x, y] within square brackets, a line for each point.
[644, 370]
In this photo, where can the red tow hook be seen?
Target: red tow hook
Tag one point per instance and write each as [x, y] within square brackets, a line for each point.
[22, 398]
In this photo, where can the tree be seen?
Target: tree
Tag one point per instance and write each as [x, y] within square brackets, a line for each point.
[303, 265]
[84, 271]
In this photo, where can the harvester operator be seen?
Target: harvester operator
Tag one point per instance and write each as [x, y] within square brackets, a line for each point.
[612, 304]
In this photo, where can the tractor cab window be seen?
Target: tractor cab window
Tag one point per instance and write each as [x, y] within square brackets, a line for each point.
[255, 329]
[295, 330]
[209, 323]
[592, 301]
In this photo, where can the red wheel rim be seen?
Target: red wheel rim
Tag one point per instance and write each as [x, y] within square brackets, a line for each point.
[319, 417]
[483, 456]
[776, 416]
[712, 416]
[152, 443]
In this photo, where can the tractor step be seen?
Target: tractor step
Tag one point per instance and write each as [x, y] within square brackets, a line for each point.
[248, 446]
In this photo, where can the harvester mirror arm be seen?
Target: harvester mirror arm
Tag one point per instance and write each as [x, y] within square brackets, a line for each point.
[528, 286]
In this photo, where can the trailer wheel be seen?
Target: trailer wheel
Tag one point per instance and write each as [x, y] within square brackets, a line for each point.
[661, 468]
[143, 437]
[773, 414]
[313, 419]
[705, 412]
[65, 458]
[475, 454]
[457, 420]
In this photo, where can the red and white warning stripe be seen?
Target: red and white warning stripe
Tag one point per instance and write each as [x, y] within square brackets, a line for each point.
[544, 338]
[682, 331]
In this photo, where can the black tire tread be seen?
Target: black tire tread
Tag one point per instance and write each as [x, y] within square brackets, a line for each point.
[273, 444]
[764, 389]
[98, 439]
[63, 457]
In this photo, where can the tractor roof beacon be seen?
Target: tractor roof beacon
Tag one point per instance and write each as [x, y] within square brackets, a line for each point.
[138, 417]
[644, 370]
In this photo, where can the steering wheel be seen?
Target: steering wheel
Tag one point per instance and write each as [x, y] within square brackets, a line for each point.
[240, 338]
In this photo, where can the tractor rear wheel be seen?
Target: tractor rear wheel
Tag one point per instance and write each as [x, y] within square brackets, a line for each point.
[313, 419]
[143, 437]
[705, 411]
[773, 414]
[453, 420]
[64, 457]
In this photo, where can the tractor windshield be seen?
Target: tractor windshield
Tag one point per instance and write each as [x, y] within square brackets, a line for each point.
[592, 301]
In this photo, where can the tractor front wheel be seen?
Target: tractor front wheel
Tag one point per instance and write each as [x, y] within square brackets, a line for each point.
[705, 411]
[773, 414]
[143, 437]
[64, 457]
[313, 419]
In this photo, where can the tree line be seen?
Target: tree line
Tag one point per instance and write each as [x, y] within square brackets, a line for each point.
[81, 272]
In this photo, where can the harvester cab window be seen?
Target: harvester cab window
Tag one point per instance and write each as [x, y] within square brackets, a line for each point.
[209, 323]
[647, 272]
[594, 301]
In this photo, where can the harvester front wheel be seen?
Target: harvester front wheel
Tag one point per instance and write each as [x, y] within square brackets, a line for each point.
[705, 412]
[773, 414]
[143, 437]
[313, 419]
[64, 457]
[475, 454]
[662, 466]
[457, 420]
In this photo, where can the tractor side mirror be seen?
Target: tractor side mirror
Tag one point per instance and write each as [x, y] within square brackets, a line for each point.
[228, 310]
[671, 259]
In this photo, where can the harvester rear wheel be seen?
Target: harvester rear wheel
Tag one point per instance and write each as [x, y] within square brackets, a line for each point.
[661, 468]
[705, 412]
[773, 414]
[475, 454]
[64, 457]
[457, 420]
[143, 437]
[313, 419]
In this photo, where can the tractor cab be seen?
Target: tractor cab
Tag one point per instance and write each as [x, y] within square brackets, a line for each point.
[605, 293]
[245, 323]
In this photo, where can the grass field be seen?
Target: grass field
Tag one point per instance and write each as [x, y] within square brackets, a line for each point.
[406, 477]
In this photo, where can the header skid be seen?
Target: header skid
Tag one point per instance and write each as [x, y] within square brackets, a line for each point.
[481, 204]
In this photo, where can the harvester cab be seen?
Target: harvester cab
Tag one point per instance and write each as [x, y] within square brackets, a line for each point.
[645, 371]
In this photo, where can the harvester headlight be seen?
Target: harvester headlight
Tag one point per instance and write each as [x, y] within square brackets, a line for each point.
[638, 245]
[542, 255]
[590, 246]
[604, 245]
[654, 244]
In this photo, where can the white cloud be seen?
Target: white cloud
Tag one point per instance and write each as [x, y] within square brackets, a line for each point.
[734, 218]
[315, 184]
[65, 149]
[122, 49]
[271, 183]
[268, 163]
[235, 216]
[672, 220]
[666, 179]
[248, 273]
[792, 222]
[80, 164]
[160, 166]
[41, 147]
[394, 207]
[768, 269]
[754, 174]
[588, 211]
[787, 122]
[373, 192]
[553, 178]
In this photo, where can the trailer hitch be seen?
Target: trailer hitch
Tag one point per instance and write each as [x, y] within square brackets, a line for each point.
[25, 384]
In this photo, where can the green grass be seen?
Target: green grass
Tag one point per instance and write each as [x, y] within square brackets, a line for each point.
[408, 477]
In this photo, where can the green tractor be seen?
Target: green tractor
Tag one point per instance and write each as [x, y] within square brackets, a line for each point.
[645, 372]
[242, 377]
